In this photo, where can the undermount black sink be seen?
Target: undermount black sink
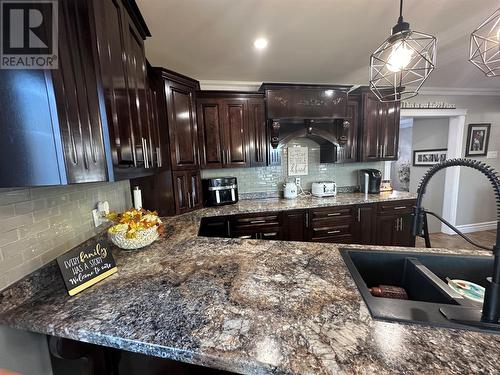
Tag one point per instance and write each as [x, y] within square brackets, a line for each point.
[423, 276]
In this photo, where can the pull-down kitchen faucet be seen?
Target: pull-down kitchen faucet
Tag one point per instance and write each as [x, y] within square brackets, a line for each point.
[491, 305]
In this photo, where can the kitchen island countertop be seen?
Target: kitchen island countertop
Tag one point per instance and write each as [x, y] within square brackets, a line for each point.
[247, 306]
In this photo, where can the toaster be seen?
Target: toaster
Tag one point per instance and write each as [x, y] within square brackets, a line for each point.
[324, 189]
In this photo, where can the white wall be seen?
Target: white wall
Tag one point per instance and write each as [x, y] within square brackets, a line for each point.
[430, 133]
[476, 202]
[24, 352]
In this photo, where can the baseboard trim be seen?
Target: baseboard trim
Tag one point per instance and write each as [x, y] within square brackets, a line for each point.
[477, 227]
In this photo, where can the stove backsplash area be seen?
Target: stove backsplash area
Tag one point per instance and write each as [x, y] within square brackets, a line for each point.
[39, 224]
[269, 180]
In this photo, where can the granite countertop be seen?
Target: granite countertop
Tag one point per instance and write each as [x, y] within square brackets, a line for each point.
[247, 306]
[280, 204]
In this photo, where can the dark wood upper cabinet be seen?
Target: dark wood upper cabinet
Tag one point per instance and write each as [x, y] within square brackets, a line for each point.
[182, 126]
[347, 134]
[379, 129]
[257, 130]
[77, 96]
[231, 129]
[112, 63]
[236, 135]
[120, 34]
[210, 133]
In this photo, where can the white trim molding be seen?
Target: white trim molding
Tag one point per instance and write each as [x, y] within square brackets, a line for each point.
[230, 85]
[456, 130]
[457, 91]
[477, 227]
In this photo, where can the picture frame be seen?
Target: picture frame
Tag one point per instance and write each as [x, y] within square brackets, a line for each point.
[478, 138]
[428, 158]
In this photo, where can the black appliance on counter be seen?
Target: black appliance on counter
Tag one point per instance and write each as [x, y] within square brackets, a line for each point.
[370, 179]
[219, 191]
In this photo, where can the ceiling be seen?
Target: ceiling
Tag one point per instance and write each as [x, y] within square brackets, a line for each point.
[316, 41]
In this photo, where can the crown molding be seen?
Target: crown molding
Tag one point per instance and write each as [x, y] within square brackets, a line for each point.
[221, 85]
[450, 91]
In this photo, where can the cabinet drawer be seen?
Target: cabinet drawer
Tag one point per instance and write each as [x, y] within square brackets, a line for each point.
[321, 217]
[396, 207]
[256, 221]
[267, 233]
[332, 231]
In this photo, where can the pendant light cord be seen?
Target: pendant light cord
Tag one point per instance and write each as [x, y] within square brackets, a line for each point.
[400, 19]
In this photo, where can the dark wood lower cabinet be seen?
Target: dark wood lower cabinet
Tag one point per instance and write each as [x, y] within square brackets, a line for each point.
[366, 218]
[387, 224]
[295, 225]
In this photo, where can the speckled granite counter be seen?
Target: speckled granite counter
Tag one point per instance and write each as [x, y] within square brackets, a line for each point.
[279, 204]
[247, 306]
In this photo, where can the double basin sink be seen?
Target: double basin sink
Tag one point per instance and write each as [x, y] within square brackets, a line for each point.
[423, 276]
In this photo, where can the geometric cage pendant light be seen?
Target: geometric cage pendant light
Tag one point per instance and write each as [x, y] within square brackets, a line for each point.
[402, 63]
[485, 46]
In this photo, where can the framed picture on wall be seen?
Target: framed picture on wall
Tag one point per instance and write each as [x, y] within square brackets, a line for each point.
[427, 158]
[478, 137]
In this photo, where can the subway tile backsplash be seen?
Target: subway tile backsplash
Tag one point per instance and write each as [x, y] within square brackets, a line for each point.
[39, 224]
[271, 179]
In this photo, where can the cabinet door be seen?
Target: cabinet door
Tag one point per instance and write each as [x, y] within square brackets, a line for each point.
[209, 128]
[403, 235]
[348, 134]
[386, 230]
[366, 224]
[295, 225]
[257, 130]
[389, 130]
[110, 35]
[181, 187]
[75, 86]
[370, 147]
[182, 126]
[235, 134]
[194, 191]
[137, 87]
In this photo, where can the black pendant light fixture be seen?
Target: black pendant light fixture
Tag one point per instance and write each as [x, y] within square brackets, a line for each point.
[401, 64]
[485, 45]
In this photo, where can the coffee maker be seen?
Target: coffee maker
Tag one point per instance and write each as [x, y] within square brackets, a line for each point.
[369, 181]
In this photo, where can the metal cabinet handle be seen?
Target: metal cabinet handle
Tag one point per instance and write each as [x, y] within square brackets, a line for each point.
[384, 150]
[396, 226]
[158, 156]
[401, 224]
[307, 219]
[189, 200]
[359, 215]
[223, 156]
[245, 237]
[228, 228]
[257, 221]
[335, 214]
[270, 234]
[400, 207]
[333, 232]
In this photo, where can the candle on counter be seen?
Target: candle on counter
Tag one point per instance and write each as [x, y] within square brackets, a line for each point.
[137, 198]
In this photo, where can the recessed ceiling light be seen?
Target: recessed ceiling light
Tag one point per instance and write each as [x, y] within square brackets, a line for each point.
[260, 43]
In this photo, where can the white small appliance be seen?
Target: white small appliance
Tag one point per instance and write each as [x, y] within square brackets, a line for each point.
[324, 189]
[290, 190]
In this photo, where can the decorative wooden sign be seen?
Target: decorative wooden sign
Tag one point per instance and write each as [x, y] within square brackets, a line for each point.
[82, 267]
[298, 161]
